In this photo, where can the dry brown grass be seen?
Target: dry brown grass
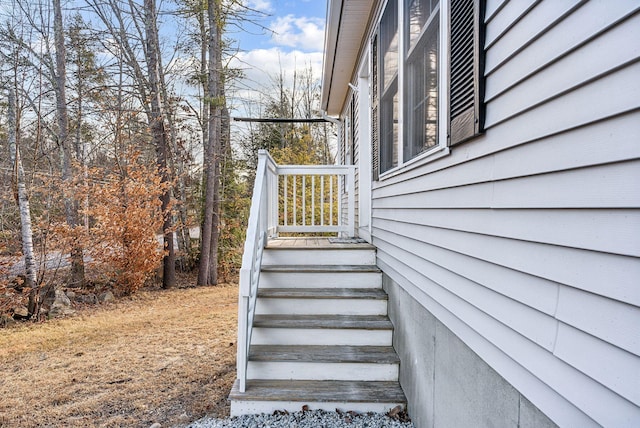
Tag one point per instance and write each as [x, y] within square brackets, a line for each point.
[159, 356]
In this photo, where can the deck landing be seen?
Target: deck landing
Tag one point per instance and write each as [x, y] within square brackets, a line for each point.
[316, 242]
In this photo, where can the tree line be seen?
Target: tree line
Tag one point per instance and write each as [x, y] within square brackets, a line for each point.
[115, 128]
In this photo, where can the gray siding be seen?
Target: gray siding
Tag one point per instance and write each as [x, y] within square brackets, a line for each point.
[525, 242]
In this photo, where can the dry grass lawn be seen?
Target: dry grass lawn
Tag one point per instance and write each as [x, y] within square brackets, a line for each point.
[159, 356]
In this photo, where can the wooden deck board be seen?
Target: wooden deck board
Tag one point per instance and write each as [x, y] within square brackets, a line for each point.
[364, 322]
[324, 354]
[320, 268]
[317, 243]
[320, 391]
[323, 293]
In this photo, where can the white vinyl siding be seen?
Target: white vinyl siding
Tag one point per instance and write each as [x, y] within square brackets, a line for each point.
[525, 241]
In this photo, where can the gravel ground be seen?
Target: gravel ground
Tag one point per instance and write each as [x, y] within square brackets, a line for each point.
[308, 419]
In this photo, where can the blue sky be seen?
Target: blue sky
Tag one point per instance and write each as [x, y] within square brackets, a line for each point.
[295, 25]
[295, 40]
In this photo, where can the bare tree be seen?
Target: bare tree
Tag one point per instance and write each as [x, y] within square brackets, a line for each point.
[66, 144]
[20, 190]
[208, 269]
[159, 135]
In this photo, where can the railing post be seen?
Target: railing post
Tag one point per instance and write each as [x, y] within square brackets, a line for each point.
[340, 179]
[351, 204]
[275, 203]
[242, 344]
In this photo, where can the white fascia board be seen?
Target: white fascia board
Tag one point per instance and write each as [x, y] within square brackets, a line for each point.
[334, 15]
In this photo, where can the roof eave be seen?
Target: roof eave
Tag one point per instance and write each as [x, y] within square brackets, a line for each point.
[334, 12]
[347, 23]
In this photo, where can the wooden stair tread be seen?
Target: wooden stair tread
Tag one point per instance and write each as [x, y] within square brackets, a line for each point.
[324, 354]
[323, 293]
[366, 322]
[320, 268]
[320, 391]
[315, 244]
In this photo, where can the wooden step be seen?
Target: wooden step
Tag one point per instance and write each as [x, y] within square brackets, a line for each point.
[324, 354]
[319, 301]
[370, 363]
[320, 276]
[360, 322]
[266, 396]
[322, 293]
[317, 243]
[315, 268]
[355, 330]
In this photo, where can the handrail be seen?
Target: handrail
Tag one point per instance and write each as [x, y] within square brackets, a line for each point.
[266, 220]
[262, 221]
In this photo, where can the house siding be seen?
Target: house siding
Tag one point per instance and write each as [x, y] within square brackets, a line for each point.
[524, 243]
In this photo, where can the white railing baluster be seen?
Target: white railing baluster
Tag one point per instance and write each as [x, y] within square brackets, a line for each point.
[322, 197]
[331, 200]
[285, 200]
[295, 199]
[304, 199]
[351, 202]
[313, 200]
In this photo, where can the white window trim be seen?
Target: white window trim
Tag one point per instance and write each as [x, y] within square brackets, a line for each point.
[442, 149]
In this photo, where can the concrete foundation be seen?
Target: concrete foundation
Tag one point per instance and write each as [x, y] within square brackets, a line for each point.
[446, 383]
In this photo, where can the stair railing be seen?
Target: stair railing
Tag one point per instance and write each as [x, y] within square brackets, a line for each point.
[300, 199]
[317, 199]
[262, 223]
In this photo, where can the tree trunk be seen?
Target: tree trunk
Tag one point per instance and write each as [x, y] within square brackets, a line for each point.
[70, 207]
[208, 270]
[158, 132]
[20, 189]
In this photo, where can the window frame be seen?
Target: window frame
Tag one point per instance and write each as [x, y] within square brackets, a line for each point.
[441, 148]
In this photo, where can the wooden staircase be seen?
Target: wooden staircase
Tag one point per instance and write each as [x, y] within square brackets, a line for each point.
[321, 335]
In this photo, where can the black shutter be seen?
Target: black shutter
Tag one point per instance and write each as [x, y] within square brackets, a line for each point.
[375, 149]
[466, 96]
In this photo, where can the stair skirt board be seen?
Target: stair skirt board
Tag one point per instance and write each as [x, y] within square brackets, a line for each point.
[322, 371]
[267, 396]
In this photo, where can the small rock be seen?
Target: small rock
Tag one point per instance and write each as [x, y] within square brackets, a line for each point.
[61, 305]
[6, 320]
[20, 312]
[107, 296]
[87, 298]
[156, 425]
[70, 294]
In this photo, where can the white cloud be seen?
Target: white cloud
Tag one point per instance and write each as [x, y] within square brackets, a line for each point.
[261, 66]
[303, 33]
[260, 5]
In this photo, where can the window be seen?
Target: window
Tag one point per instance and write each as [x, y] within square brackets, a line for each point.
[410, 92]
[388, 82]
[421, 24]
